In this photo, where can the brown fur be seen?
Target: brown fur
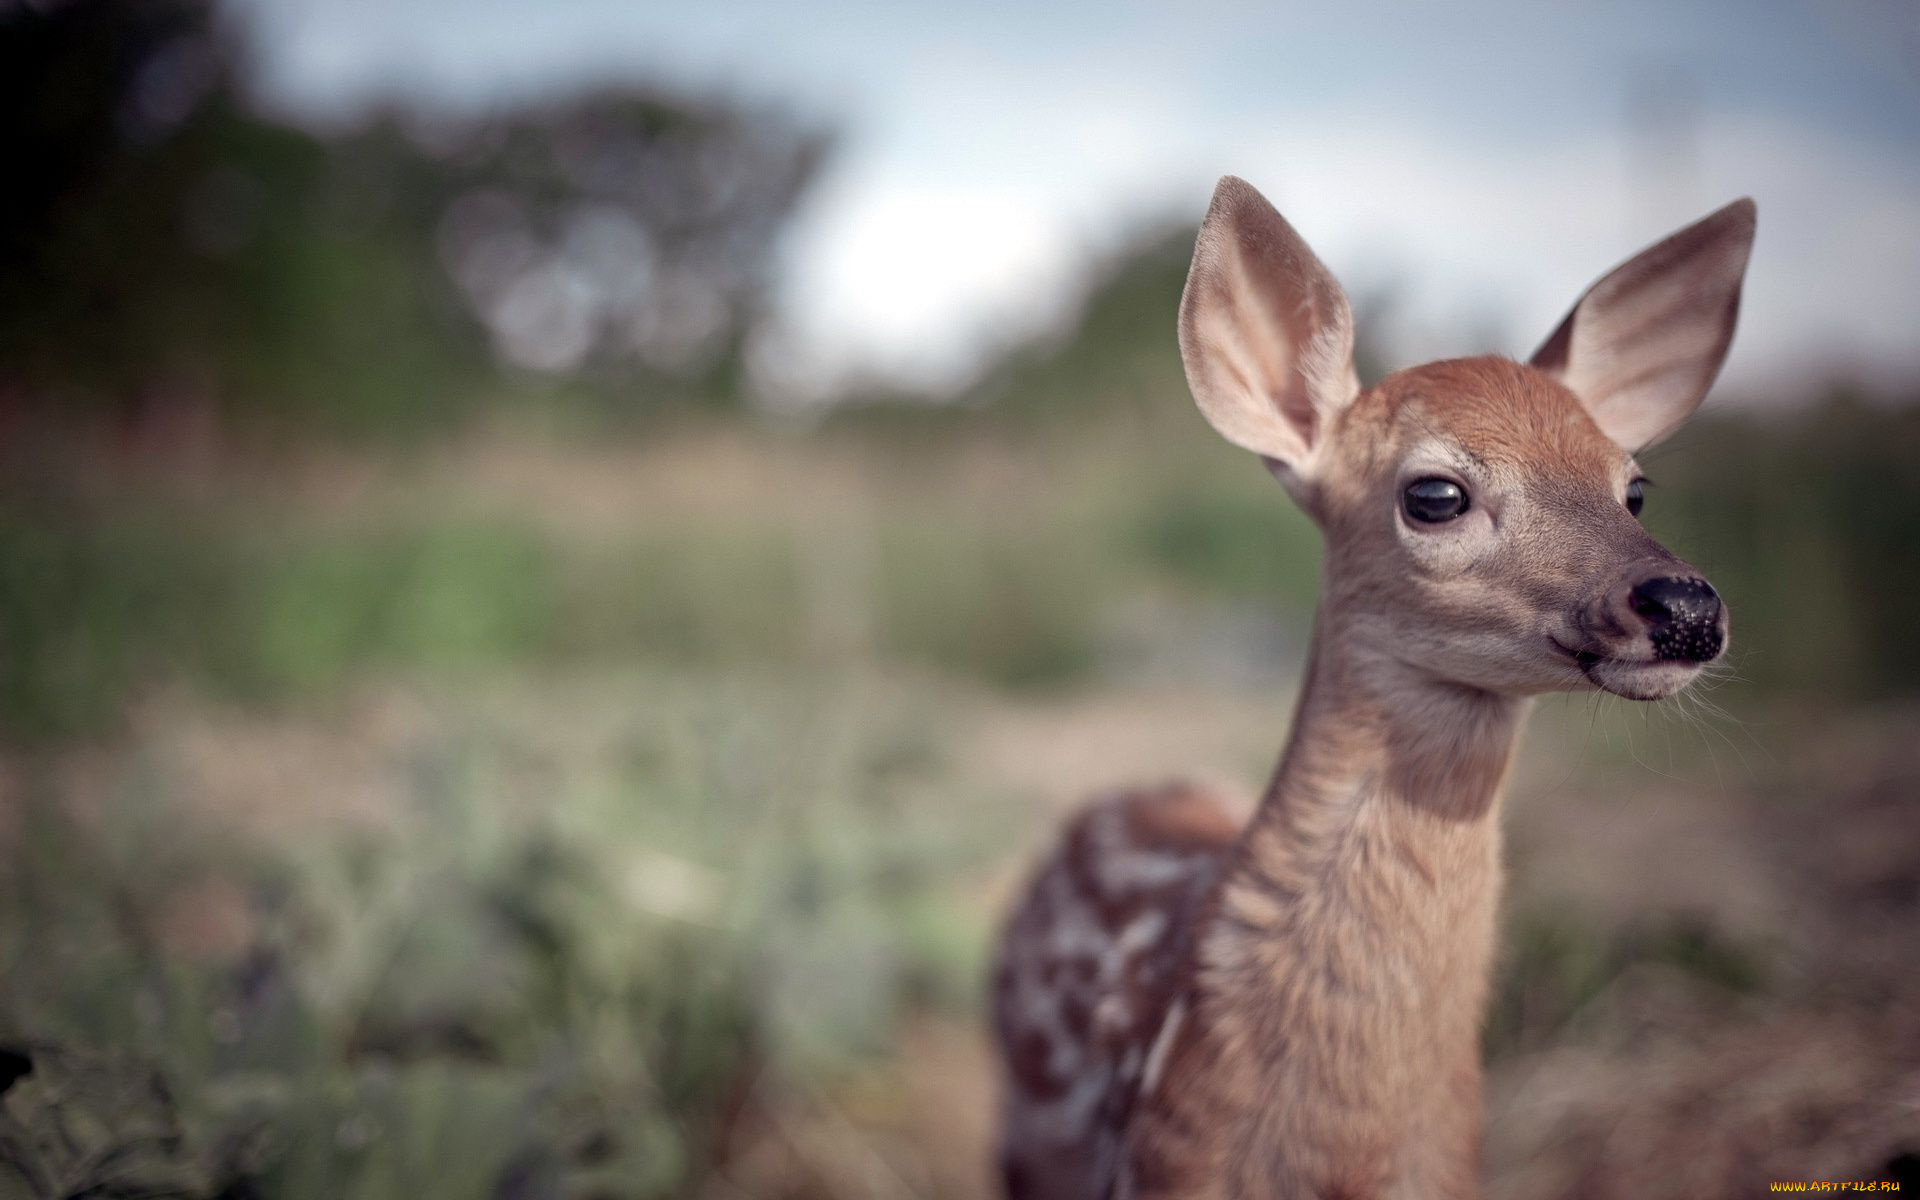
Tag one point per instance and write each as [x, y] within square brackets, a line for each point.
[1088, 967]
[1189, 1008]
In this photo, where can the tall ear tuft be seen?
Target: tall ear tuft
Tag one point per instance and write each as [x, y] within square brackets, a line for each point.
[1645, 343]
[1265, 331]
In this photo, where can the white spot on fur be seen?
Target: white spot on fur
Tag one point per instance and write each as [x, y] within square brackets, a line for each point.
[1163, 1044]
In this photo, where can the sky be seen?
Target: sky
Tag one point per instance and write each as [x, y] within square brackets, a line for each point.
[1480, 161]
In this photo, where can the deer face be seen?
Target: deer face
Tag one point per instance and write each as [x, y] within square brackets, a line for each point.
[1480, 514]
[1482, 529]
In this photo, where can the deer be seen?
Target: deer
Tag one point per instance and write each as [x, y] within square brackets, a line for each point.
[1191, 1004]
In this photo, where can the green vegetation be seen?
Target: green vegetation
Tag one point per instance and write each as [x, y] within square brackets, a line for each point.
[532, 973]
[688, 830]
[1802, 524]
[1561, 963]
[1806, 522]
[92, 609]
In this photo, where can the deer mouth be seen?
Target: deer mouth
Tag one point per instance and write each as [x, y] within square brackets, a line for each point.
[1631, 678]
[1583, 658]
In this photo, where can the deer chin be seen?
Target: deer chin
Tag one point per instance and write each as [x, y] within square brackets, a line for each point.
[1631, 678]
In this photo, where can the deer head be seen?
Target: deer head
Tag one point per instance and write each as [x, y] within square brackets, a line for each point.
[1480, 514]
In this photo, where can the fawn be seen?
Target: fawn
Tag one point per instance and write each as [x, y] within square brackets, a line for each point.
[1192, 1006]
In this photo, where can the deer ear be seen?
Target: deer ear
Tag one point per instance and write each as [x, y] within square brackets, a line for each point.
[1265, 331]
[1644, 344]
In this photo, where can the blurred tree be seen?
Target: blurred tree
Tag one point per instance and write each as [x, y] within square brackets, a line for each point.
[109, 115]
[1806, 521]
[1118, 353]
[173, 258]
[628, 235]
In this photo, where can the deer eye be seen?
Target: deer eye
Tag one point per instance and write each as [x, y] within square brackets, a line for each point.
[1431, 501]
[1636, 496]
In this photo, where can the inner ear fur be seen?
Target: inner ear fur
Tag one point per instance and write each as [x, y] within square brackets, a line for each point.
[1644, 344]
[1266, 333]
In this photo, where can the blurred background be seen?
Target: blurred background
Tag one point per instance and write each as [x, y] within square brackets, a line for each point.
[557, 561]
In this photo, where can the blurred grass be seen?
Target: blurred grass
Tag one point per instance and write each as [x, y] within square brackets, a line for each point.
[558, 968]
[92, 608]
[1560, 963]
[1804, 526]
[674, 829]
[249, 597]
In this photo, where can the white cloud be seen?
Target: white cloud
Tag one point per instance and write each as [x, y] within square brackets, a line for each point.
[909, 272]
[907, 280]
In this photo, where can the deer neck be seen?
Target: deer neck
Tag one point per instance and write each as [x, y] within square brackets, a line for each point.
[1370, 730]
[1346, 963]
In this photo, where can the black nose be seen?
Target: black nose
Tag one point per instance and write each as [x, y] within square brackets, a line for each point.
[1682, 616]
